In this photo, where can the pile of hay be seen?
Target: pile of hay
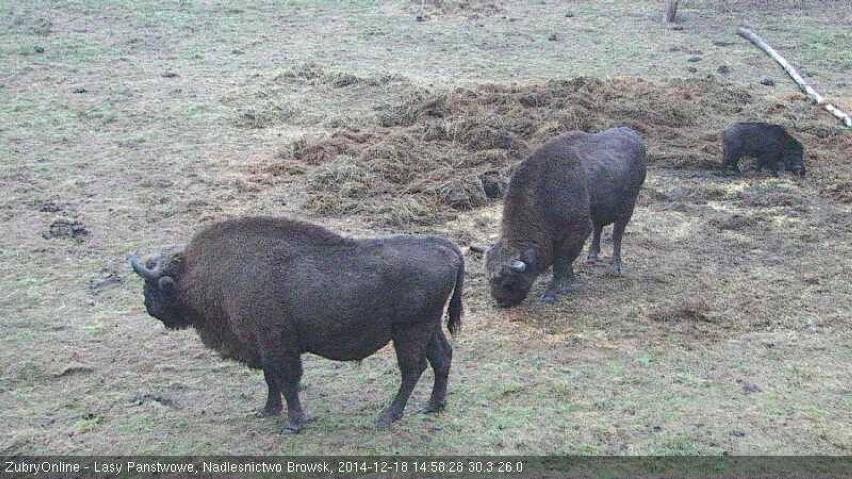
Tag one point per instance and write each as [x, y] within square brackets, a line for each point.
[421, 159]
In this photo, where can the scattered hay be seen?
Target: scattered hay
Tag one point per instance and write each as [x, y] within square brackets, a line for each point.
[315, 74]
[469, 8]
[736, 221]
[66, 228]
[771, 194]
[455, 149]
[462, 194]
[693, 309]
[311, 95]
[841, 192]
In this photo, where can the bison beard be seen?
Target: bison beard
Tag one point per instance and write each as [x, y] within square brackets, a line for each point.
[264, 291]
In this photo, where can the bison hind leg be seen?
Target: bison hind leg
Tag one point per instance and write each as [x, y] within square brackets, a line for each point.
[617, 235]
[595, 247]
[439, 353]
[410, 344]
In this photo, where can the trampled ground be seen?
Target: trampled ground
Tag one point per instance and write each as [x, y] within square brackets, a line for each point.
[127, 126]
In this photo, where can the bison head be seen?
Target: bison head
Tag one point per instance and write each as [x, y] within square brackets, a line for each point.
[794, 157]
[160, 290]
[511, 273]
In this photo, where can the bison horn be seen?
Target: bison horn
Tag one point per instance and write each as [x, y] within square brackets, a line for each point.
[518, 266]
[141, 269]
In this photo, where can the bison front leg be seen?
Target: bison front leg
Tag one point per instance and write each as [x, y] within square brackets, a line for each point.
[410, 346]
[440, 355]
[564, 280]
[286, 371]
[273, 405]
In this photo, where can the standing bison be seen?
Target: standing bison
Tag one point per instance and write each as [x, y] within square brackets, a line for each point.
[576, 180]
[770, 145]
[265, 290]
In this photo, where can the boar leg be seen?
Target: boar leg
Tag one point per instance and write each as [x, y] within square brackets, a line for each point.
[440, 355]
[273, 405]
[410, 345]
[731, 158]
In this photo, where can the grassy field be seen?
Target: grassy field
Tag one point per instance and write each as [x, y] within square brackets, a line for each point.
[126, 125]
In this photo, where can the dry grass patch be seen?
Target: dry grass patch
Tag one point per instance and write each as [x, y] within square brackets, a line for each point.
[454, 150]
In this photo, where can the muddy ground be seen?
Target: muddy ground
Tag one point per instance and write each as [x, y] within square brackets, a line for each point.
[125, 127]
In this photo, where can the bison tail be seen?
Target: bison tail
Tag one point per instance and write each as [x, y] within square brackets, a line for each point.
[454, 312]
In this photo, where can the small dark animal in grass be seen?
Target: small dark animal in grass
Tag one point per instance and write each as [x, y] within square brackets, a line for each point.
[770, 145]
[265, 290]
[615, 166]
[552, 197]
[545, 223]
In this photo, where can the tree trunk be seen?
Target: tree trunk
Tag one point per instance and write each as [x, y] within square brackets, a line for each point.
[671, 10]
[819, 99]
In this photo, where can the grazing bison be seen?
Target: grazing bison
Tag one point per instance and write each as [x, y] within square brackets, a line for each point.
[545, 223]
[265, 290]
[769, 144]
[554, 197]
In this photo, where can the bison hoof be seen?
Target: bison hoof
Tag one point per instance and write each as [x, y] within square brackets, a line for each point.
[616, 269]
[290, 428]
[387, 419]
[433, 408]
[267, 412]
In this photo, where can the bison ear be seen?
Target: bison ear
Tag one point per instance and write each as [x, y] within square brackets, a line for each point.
[166, 284]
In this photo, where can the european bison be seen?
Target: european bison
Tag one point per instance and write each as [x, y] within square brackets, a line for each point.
[265, 290]
[768, 144]
[545, 223]
[554, 197]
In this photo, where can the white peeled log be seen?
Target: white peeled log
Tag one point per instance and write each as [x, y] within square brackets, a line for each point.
[819, 99]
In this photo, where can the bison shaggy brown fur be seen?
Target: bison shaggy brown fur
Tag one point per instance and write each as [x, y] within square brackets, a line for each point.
[266, 290]
[545, 223]
[571, 183]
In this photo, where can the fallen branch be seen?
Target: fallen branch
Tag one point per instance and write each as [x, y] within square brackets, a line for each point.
[819, 99]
